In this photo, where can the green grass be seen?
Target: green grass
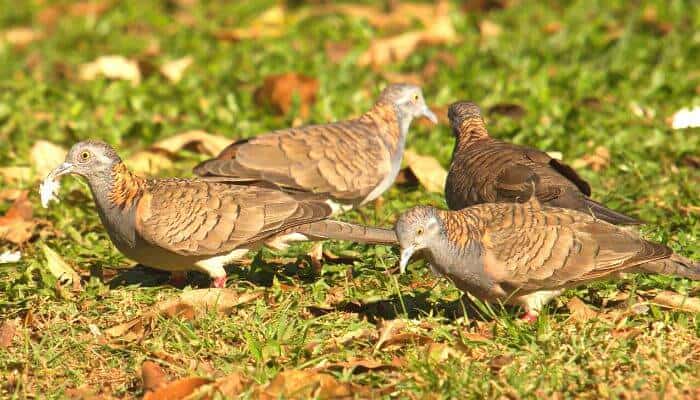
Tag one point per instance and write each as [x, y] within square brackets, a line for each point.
[577, 86]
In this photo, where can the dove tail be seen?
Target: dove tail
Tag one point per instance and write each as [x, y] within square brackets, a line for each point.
[337, 230]
[608, 215]
[674, 265]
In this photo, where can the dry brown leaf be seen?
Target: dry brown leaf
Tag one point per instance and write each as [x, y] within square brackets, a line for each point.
[511, 110]
[152, 376]
[497, 363]
[8, 329]
[269, 24]
[178, 389]
[388, 329]
[149, 162]
[88, 8]
[15, 174]
[400, 15]
[21, 36]
[279, 91]
[398, 48]
[552, 27]
[45, 156]
[127, 331]
[599, 160]
[175, 69]
[428, 170]
[336, 51]
[440, 352]
[17, 225]
[60, 269]
[10, 194]
[111, 67]
[580, 311]
[229, 386]
[677, 301]
[196, 140]
[489, 29]
[308, 385]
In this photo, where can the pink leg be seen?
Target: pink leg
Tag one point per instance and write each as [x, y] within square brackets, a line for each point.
[529, 317]
[218, 282]
[178, 279]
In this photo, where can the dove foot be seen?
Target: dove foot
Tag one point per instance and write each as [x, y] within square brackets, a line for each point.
[218, 282]
[529, 317]
[316, 255]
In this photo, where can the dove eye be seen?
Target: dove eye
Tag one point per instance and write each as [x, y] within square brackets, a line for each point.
[415, 98]
[84, 156]
[419, 231]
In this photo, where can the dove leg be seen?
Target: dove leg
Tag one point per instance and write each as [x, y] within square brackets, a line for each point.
[533, 303]
[214, 267]
[316, 255]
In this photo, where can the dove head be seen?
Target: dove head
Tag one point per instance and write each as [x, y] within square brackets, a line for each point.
[89, 159]
[466, 120]
[408, 101]
[417, 229]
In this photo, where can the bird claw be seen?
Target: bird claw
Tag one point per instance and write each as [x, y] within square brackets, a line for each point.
[218, 282]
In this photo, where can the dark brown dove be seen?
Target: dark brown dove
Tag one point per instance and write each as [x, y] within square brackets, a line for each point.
[486, 170]
[186, 224]
[527, 254]
[349, 162]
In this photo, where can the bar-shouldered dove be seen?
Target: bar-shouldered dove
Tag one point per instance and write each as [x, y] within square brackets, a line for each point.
[527, 254]
[348, 162]
[180, 225]
[486, 170]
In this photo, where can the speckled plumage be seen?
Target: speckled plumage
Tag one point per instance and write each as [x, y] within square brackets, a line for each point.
[486, 170]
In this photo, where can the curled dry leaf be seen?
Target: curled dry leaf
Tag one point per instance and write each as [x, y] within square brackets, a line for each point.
[8, 328]
[398, 48]
[677, 301]
[152, 376]
[279, 91]
[580, 311]
[428, 170]
[497, 363]
[178, 389]
[60, 269]
[686, 118]
[149, 162]
[175, 69]
[196, 140]
[309, 385]
[599, 160]
[45, 156]
[440, 352]
[111, 67]
[17, 225]
[21, 36]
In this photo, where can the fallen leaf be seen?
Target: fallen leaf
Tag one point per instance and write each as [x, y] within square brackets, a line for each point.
[399, 15]
[428, 170]
[8, 328]
[398, 48]
[201, 301]
[15, 174]
[17, 225]
[388, 329]
[10, 257]
[21, 36]
[149, 162]
[178, 389]
[412, 78]
[127, 331]
[111, 67]
[279, 92]
[229, 386]
[441, 352]
[175, 69]
[336, 51]
[152, 376]
[677, 301]
[687, 160]
[511, 110]
[497, 363]
[45, 156]
[269, 24]
[686, 118]
[489, 29]
[60, 269]
[357, 366]
[580, 311]
[10, 194]
[552, 27]
[307, 385]
[196, 140]
[88, 8]
[599, 160]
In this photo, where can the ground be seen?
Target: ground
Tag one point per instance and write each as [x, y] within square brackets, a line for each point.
[595, 81]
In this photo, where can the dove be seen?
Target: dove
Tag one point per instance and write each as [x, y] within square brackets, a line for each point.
[180, 225]
[526, 253]
[349, 162]
[486, 170]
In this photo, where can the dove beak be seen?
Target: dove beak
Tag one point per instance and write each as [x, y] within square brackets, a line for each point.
[427, 113]
[405, 257]
[62, 169]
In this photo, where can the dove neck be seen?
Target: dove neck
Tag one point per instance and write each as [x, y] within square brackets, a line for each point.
[470, 131]
[392, 122]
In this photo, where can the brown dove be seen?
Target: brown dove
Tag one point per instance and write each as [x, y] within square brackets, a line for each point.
[348, 162]
[525, 253]
[180, 225]
[486, 170]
